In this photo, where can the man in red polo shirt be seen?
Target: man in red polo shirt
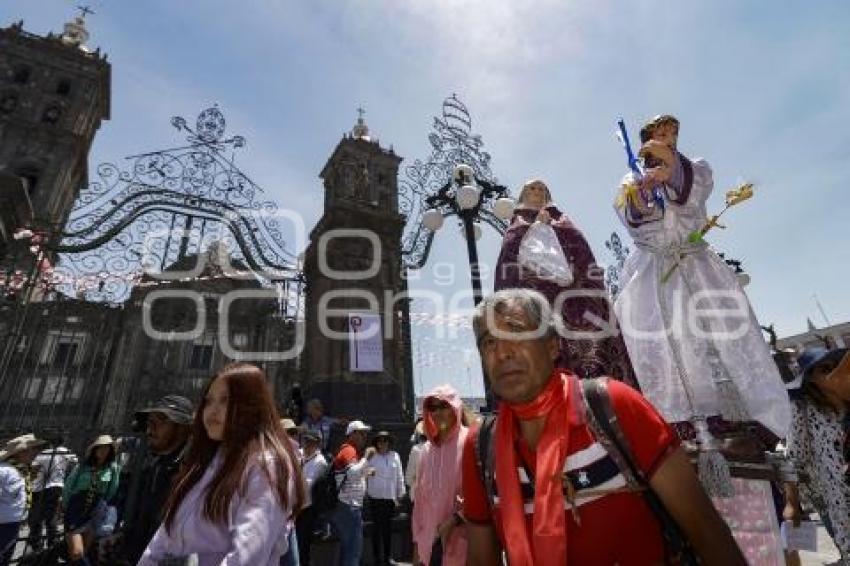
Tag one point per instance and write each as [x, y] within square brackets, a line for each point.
[541, 437]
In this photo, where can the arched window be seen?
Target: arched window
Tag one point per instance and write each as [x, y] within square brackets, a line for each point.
[63, 87]
[31, 175]
[21, 74]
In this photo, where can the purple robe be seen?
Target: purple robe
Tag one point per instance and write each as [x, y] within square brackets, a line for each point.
[603, 354]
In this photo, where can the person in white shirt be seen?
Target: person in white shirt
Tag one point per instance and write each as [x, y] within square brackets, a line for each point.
[15, 460]
[313, 466]
[384, 487]
[51, 467]
[417, 443]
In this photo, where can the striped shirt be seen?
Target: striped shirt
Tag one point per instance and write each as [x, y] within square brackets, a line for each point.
[612, 528]
[351, 475]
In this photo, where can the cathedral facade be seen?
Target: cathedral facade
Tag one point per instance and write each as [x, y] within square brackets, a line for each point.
[81, 367]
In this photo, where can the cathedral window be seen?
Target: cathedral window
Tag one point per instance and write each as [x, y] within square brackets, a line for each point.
[31, 178]
[63, 88]
[21, 75]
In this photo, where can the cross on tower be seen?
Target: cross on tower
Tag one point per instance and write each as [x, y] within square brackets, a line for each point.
[85, 10]
[360, 112]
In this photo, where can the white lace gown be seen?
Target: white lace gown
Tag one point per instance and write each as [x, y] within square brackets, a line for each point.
[697, 329]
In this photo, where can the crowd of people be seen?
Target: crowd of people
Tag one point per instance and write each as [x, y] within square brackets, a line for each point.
[617, 449]
[231, 479]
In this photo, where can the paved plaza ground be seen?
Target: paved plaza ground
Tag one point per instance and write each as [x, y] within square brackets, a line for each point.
[827, 554]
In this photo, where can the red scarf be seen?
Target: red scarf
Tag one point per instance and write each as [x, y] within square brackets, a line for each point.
[548, 546]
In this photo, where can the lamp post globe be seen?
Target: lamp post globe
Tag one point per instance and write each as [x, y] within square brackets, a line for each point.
[463, 174]
[432, 219]
[504, 208]
[467, 197]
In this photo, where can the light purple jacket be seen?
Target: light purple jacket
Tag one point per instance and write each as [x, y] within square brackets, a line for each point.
[256, 533]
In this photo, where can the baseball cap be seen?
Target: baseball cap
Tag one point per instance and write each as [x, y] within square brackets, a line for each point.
[176, 408]
[311, 435]
[813, 357]
[354, 426]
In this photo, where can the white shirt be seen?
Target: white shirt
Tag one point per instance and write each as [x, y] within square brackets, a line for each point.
[13, 494]
[255, 532]
[388, 480]
[412, 471]
[313, 467]
[52, 466]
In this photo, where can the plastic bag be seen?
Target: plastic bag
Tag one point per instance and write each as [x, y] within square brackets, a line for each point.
[540, 252]
[104, 519]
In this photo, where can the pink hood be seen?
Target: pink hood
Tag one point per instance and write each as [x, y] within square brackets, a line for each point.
[438, 483]
[447, 394]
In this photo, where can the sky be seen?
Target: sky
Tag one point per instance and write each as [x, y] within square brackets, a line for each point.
[762, 91]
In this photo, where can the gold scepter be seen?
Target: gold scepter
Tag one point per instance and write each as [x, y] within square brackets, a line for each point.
[735, 196]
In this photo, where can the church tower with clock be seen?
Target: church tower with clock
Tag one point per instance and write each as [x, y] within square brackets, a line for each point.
[354, 272]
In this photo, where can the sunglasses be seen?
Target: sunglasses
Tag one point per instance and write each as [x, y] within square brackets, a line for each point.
[434, 407]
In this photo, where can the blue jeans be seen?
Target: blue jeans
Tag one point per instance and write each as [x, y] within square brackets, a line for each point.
[291, 557]
[347, 521]
[8, 539]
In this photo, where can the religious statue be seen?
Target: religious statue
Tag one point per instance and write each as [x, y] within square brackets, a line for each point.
[591, 344]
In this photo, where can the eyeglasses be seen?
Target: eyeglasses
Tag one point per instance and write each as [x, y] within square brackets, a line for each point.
[434, 407]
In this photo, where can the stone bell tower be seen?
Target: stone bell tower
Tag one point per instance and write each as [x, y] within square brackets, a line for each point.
[54, 93]
[353, 266]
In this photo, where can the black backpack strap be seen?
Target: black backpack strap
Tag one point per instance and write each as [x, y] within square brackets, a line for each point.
[485, 456]
[343, 472]
[603, 422]
[605, 426]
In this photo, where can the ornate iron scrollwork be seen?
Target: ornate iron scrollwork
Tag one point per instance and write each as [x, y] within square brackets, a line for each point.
[194, 192]
[452, 142]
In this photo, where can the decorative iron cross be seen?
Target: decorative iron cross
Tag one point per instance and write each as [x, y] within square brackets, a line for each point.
[85, 10]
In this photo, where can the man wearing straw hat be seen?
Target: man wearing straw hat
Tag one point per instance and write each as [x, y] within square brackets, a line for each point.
[15, 460]
[50, 467]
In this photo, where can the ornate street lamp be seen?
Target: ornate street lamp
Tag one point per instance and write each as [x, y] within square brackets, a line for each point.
[464, 196]
[455, 179]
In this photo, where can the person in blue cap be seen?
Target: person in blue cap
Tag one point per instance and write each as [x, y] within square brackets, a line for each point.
[818, 443]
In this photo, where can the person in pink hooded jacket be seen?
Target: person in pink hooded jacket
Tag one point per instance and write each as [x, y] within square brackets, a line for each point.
[437, 524]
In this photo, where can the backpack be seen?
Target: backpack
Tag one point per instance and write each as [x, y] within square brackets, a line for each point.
[324, 493]
[603, 423]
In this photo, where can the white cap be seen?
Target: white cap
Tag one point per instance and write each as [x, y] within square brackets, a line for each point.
[354, 426]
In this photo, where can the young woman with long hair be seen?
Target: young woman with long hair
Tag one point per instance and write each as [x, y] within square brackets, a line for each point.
[240, 483]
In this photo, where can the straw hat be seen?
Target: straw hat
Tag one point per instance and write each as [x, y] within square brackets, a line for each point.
[102, 440]
[19, 444]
